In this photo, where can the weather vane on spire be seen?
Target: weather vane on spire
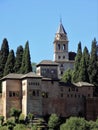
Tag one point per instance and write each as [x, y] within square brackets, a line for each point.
[60, 19]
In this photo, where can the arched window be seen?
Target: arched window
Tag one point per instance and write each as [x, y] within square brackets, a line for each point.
[64, 47]
[58, 46]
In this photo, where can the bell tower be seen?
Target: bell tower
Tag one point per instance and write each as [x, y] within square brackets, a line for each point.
[61, 45]
[61, 55]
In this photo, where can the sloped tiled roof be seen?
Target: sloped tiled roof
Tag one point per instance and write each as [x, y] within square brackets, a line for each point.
[78, 84]
[47, 62]
[81, 84]
[30, 75]
[12, 76]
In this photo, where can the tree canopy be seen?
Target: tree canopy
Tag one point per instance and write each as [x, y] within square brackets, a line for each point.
[9, 66]
[18, 59]
[4, 52]
[26, 61]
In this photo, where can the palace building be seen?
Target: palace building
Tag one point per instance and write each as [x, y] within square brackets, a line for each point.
[42, 93]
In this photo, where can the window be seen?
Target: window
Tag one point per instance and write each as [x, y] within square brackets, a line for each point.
[63, 57]
[13, 93]
[58, 46]
[61, 94]
[61, 65]
[37, 92]
[89, 95]
[69, 90]
[76, 89]
[67, 95]
[46, 94]
[59, 57]
[61, 72]
[52, 82]
[64, 47]
[33, 93]
[10, 94]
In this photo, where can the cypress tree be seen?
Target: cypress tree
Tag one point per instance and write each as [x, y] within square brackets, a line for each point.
[26, 61]
[93, 65]
[67, 76]
[9, 66]
[3, 56]
[18, 59]
[77, 63]
[84, 64]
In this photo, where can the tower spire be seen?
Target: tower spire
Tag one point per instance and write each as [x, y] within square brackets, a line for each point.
[60, 20]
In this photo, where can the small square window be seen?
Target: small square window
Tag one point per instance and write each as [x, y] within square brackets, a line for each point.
[37, 92]
[61, 94]
[10, 94]
[59, 57]
[33, 93]
[63, 57]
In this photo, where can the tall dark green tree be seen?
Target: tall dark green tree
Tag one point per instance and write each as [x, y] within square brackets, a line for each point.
[93, 65]
[9, 66]
[18, 59]
[84, 64]
[26, 60]
[67, 76]
[77, 63]
[3, 56]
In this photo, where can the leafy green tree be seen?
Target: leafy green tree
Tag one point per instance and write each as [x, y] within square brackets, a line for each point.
[1, 120]
[53, 121]
[30, 116]
[15, 113]
[10, 123]
[9, 66]
[26, 61]
[20, 127]
[84, 64]
[67, 76]
[18, 59]
[74, 123]
[21, 118]
[93, 64]
[77, 63]
[3, 56]
[3, 128]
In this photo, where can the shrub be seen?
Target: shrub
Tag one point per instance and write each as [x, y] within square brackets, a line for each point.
[1, 120]
[20, 127]
[3, 128]
[21, 118]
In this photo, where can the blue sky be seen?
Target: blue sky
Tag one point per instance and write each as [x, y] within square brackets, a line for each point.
[37, 21]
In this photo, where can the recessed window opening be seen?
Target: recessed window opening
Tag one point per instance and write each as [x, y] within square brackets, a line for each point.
[64, 47]
[58, 46]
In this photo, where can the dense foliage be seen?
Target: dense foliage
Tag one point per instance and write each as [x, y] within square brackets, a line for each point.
[76, 123]
[4, 52]
[9, 62]
[53, 122]
[9, 66]
[85, 67]
[26, 62]
[14, 63]
[77, 67]
[18, 59]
